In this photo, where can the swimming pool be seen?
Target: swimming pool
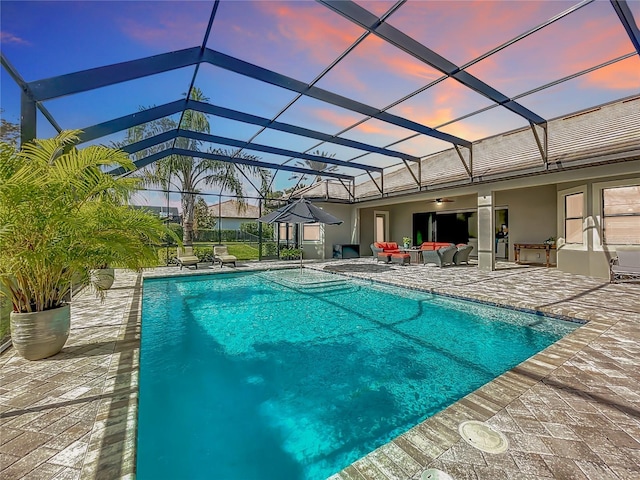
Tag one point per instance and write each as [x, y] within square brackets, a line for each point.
[295, 375]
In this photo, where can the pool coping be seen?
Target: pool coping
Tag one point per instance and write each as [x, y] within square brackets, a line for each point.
[440, 431]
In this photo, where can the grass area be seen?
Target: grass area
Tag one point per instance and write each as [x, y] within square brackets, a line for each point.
[243, 251]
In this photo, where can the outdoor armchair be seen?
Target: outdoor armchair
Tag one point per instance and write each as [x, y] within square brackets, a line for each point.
[462, 254]
[186, 257]
[441, 257]
[221, 254]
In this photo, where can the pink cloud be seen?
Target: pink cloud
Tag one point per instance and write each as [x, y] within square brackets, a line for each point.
[624, 75]
[339, 119]
[309, 28]
[7, 37]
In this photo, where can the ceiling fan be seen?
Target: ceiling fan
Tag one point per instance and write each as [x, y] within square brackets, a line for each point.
[440, 201]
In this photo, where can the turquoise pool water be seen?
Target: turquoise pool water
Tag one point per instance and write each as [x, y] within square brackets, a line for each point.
[295, 375]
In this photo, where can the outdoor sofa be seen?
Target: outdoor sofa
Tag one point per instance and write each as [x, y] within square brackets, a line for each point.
[383, 250]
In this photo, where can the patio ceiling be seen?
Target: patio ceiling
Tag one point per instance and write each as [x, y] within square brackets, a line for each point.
[371, 84]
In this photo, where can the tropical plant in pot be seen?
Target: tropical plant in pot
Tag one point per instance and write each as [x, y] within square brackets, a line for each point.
[61, 216]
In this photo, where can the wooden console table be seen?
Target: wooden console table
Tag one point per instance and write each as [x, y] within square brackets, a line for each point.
[534, 246]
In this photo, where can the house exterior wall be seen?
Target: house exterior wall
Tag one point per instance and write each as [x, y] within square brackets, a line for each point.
[536, 212]
[593, 255]
[344, 233]
[532, 218]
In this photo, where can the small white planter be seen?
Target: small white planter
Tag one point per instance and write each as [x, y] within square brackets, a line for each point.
[102, 278]
[39, 335]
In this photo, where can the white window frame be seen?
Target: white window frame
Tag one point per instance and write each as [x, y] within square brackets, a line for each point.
[598, 213]
[562, 194]
[581, 218]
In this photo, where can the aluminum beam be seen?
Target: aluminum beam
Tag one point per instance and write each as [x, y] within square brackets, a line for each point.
[629, 23]
[173, 134]
[85, 80]
[13, 73]
[293, 129]
[360, 16]
[262, 74]
[257, 163]
[27, 118]
[143, 162]
[144, 116]
[128, 121]
[93, 78]
[277, 151]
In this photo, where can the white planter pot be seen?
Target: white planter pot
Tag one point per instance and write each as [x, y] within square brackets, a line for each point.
[39, 335]
[102, 278]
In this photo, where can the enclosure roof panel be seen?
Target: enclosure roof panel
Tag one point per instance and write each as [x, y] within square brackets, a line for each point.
[377, 83]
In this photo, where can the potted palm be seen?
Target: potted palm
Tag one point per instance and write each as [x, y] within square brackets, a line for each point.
[62, 217]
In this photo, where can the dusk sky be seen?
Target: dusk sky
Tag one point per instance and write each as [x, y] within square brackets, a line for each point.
[300, 39]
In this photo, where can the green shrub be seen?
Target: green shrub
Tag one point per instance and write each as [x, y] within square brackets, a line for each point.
[290, 254]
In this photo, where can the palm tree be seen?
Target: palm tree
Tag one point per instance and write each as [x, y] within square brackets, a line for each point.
[62, 216]
[188, 174]
[317, 165]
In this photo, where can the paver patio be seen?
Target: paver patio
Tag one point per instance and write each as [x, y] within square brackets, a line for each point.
[571, 411]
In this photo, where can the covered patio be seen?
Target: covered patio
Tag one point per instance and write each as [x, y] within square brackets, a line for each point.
[570, 411]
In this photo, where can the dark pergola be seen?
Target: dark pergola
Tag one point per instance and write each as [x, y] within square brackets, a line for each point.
[34, 94]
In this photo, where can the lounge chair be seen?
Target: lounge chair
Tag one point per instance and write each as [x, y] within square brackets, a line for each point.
[221, 254]
[462, 254]
[186, 257]
[441, 257]
[626, 266]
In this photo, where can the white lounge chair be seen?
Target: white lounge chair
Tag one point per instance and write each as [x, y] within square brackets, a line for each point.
[626, 265]
[186, 257]
[221, 254]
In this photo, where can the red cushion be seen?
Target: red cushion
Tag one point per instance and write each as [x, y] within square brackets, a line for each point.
[392, 245]
[378, 244]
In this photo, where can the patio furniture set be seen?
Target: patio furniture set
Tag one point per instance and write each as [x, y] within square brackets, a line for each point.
[439, 253]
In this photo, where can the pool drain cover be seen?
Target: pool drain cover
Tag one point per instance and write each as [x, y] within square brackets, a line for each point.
[483, 437]
[435, 474]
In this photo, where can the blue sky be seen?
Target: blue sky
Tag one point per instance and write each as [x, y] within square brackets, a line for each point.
[299, 39]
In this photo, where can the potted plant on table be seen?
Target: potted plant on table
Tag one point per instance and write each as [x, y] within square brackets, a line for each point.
[406, 241]
[61, 216]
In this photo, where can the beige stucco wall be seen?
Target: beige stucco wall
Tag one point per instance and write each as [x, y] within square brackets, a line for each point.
[332, 234]
[532, 218]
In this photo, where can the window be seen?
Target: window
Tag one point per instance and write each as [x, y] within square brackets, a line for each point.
[573, 217]
[311, 232]
[286, 231]
[621, 215]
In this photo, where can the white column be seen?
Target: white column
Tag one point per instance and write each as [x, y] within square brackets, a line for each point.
[486, 232]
